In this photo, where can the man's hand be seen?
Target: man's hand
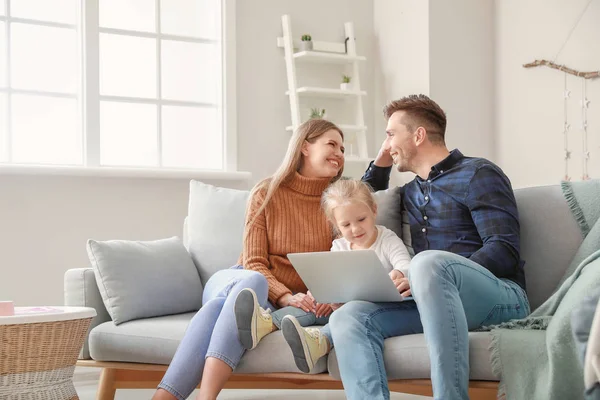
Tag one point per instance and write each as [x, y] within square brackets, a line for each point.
[401, 282]
[383, 158]
[298, 300]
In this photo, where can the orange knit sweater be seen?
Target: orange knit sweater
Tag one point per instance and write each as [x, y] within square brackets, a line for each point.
[292, 222]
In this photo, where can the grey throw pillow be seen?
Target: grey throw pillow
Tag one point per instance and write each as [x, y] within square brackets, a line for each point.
[142, 279]
[215, 227]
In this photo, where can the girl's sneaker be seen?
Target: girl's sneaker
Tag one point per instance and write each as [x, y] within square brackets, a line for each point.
[307, 344]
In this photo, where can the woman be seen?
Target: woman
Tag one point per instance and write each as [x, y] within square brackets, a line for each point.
[283, 216]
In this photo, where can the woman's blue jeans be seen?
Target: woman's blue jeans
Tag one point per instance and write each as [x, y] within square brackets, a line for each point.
[213, 331]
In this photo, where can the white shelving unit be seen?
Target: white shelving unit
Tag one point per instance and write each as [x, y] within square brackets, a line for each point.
[327, 53]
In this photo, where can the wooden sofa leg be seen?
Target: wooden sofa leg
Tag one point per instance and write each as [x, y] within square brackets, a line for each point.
[106, 387]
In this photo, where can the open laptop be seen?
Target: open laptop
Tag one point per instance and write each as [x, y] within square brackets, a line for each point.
[343, 276]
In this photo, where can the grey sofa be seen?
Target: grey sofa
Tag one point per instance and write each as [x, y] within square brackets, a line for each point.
[135, 354]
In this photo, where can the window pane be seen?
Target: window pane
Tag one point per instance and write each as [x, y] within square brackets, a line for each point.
[127, 66]
[191, 138]
[190, 71]
[199, 18]
[44, 58]
[2, 55]
[2, 125]
[2, 5]
[133, 15]
[45, 130]
[64, 11]
[128, 134]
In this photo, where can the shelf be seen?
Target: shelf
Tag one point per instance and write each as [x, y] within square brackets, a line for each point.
[344, 128]
[331, 58]
[327, 92]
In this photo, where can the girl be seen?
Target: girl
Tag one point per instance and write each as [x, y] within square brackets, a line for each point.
[351, 208]
[283, 216]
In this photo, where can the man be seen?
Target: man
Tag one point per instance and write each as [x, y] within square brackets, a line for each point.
[467, 270]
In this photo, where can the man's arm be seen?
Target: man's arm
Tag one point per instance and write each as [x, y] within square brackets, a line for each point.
[377, 174]
[493, 207]
[377, 177]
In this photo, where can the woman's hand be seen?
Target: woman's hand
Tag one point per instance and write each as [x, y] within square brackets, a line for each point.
[335, 306]
[298, 300]
[401, 282]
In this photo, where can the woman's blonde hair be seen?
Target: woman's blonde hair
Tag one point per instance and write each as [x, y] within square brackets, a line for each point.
[309, 131]
[344, 192]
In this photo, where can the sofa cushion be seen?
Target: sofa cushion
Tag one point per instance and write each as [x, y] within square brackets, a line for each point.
[149, 340]
[155, 340]
[407, 357]
[215, 227]
[392, 217]
[550, 238]
[140, 279]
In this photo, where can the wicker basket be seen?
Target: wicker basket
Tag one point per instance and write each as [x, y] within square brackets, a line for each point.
[37, 360]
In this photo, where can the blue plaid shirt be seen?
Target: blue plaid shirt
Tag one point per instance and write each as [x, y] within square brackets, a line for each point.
[465, 206]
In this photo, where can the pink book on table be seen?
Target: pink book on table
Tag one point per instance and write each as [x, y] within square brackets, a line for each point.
[36, 310]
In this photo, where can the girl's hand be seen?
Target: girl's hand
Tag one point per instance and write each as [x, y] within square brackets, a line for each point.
[323, 310]
[396, 274]
[401, 282]
[403, 287]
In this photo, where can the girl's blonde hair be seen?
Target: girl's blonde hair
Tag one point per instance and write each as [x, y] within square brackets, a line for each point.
[309, 131]
[347, 191]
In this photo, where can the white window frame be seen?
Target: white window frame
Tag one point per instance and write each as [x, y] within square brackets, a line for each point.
[90, 113]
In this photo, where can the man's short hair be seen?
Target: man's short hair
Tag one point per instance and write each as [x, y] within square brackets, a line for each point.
[420, 110]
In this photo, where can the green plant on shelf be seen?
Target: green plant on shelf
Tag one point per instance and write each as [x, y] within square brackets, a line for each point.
[346, 79]
[317, 113]
[306, 38]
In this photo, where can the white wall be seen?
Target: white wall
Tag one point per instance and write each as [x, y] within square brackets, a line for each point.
[444, 50]
[461, 66]
[46, 220]
[529, 110]
[401, 59]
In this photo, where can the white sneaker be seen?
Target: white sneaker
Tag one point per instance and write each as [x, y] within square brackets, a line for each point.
[253, 322]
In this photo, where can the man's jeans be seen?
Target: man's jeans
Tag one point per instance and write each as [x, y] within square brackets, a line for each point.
[453, 295]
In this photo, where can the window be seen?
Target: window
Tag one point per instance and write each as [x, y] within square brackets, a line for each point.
[121, 83]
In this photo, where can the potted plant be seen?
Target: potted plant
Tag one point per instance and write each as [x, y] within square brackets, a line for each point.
[306, 44]
[345, 85]
[317, 113]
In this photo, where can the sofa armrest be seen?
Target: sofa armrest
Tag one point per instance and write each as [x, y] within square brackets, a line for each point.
[81, 290]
